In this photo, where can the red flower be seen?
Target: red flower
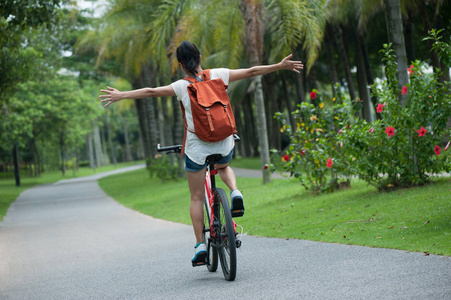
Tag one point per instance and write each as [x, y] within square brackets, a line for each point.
[329, 162]
[447, 146]
[371, 130]
[302, 151]
[437, 150]
[265, 167]
[286, 158]
[410, 70]
[421, 131]
[380, 107]
[404, 90]
[390, 131]
[313, 95]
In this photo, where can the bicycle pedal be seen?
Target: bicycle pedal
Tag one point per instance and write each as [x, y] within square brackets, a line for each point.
[237, 213]
[199, 263]
[237, 243]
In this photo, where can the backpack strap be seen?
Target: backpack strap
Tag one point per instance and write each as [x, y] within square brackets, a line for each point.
[205, 77]
[182, 152]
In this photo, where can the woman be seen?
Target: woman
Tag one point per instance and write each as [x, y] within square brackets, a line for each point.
[196, 150]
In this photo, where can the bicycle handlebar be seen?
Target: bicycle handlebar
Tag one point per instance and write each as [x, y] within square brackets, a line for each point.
[170, 149]
[178, 148]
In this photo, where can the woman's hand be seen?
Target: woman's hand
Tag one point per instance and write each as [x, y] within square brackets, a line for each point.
[112, 95]
[288, 64]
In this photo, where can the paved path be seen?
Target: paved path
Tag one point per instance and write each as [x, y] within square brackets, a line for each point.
[71, 241]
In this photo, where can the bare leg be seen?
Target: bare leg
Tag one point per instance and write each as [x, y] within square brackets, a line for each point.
[196, 186]
[227, 175]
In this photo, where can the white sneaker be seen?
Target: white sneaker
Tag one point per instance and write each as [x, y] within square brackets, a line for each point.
[200, 254]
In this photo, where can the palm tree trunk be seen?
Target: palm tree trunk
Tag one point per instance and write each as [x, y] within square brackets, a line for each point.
[396, 37]
[149, 79]
[110, 141]
[362, 79]
[252, 11]
[97, 144]
[178, 132]
[240, 128]
[330, 57]
[338, 36]
[128, 152]
[251, 138]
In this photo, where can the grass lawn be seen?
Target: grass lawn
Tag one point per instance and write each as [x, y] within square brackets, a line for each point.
[253, 163]
[409, 219]
[9, 192]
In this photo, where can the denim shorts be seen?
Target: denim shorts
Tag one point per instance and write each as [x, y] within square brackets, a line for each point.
[191, 166]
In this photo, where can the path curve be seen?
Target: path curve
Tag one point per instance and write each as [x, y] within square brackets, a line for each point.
[71, 241]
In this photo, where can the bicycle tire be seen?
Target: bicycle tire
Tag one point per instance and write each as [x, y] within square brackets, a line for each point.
[212, 257]
[227, 246]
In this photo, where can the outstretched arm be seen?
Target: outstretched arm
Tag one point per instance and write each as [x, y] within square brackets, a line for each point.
[285, 64]
[113, 95]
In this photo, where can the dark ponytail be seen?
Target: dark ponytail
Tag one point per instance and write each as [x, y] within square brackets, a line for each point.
[189, 56]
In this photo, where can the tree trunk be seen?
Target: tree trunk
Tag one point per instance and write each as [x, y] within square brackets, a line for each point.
[271, 100]
[252, 11]
[128, 152]
[149, 79]
[105, 155]
[110, 142]
[178, 132]
[300, 86]
[290, 107]
[92, 162]
[15, 154]
[396, 37]
[61, 142]
[369, 73]
[36, 158]
[250, 136]
[338, 36]
[330, 57]
[240, 128]
[362, 80]
[97, 144]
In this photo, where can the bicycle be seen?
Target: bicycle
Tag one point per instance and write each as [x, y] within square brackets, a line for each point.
[219, 231]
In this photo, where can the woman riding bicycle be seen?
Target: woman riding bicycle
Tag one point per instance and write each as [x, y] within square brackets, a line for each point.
[196, 150]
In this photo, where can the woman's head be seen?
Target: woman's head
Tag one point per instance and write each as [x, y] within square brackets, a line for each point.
[189, 56]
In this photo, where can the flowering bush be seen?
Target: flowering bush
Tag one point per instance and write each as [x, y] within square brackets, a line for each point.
[314, 155]
[404, 147]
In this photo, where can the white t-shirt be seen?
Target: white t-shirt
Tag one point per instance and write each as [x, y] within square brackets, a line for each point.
[196, 149]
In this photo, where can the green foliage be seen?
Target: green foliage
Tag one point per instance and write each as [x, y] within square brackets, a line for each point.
[402, 149]
[160, 167]
[314, 155]
[21, 24]
[409, 155]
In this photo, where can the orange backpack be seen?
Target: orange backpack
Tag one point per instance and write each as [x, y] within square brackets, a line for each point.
[210, 106]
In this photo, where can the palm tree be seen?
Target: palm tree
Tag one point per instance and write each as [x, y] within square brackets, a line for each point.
[220, 33]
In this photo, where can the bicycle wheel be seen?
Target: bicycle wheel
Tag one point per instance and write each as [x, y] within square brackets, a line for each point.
[227, 246]
[212, 258]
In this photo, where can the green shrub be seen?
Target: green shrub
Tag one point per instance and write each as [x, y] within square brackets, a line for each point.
[408, 144]
[160, 167]
[314, 155]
